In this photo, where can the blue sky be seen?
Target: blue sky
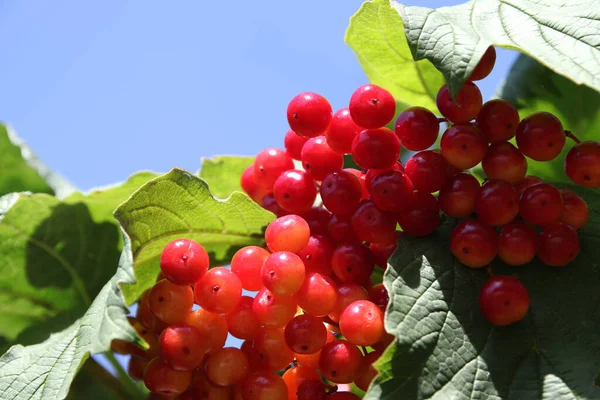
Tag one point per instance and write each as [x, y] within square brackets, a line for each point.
[103, 89]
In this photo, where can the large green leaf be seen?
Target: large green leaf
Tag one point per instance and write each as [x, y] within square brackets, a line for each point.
[21, 170]
[562, 35]
[180, 205]
[222, 173]
[445, 349]
[531, 87]
[376, 34]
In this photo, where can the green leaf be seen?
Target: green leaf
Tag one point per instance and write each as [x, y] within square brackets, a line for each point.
[180, 205]
[46, 370]
[531, 87]
[562, 35]
[21, 170]
[222, 173]
[376, 35]
[445, 349]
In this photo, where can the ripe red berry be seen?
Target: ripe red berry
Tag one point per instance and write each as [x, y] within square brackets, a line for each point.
[309, 114]
[498, 120]
[347, 293]
[427, 171]
[316, 255]
[340, 361]
[272, 349]
[503, 300]
[417, 128]
[293, 144]
[423, 218]
[319, 159]
[352, 263]
[296, 376]
[457, 197]
[516, 243]
[295, 191]
[212, 326]
[363, 180]
[219, 290]
[256, 190]
[242, 322]
[361, 323]
[582, 164]
[376, 148]
[318, 294]
[378, 294]
[383, 251]
[136, 367]
[169, 302]
[269, 164]
[311, 390]
[464, 146]
[227, 366]
[287, 233]
[305, 334]
[575, 212]
[372, 224]
[270, 204]
[485, 65]
[504, 161]
[274, 310]
[541, 204]
[474, 243]
[558, 244]
[182, 347]
[184, 261]
[525, 183]
[340, 230]
[246, 264]
[317, 219]
[372, 173]
[467, 105]
[342, 131]
[372, 106]
[540, 136]
[392, 191]
[160, 378]
[497, 203]
[341, 192]
[264, 385]
[283, 273]
[367, 371]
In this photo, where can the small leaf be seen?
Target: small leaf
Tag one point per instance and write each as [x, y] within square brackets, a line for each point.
[376, 34]
[564, 36]
[180, 205]
[445, 349]
[223, 173]
[21, 170]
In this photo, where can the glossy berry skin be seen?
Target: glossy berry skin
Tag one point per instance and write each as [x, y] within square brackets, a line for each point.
[464, 146]
[309, 114]
[340, 230]
[319, 159]
[242, 323]
[317, 219]
[246, 264]
[367, 371]
[287, 233]
[264, 385]
[417, 128]
[392, 191]
[272, 349]
[576, 210]
[316, 255]
[372, 173]
[318, 294]
[423, 218]
[528, 181]
[540, 136]
[378, 294]
[467, 106]
[283, 273]
[485, 65]
[362, 177]
[160, 378]
[312, 390]
[383, 251]
[582, 164]
[182, 347]
[340, 361]
[352, 263]
[541, 204]
[503, 300]
[212, 326]
[270, 204]
[347, 293]
[516, 243]
[274, 310]
[293, 144]
[497, 203]
[256, 190]
[269, 164]
[457, 197]
[372, 224]
[427, 171]
[169, 302]
[227, 366]
[376, 148]
[504, 161]
[341, 192]
[305, 334]
[218, 291]
[342, 131]
[372, 106]
[361, 323]
[296, 376]
[183, 262]
[474, 243]
[295, 191]
[558, 244]
[498, 120]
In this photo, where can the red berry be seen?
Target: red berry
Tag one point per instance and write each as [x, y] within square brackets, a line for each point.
[464, 146]
[374, 225]
[144, 313]
[340, 230]
[295, 191]
[227, 366]
[264, 385]
[287, 233]
[296, 376]
[341, 192]
[182, 347]
[516, 243]
[274, 310]
[582, 164]
[503, 300]
[318, 294]
[558, 244]
[184, 261]
[256, 190]
[246, 264]
[340, 361]
[497, 203]
[363, 180]
[485, 65]
[541, 204]
[376, 148]
[372, 106]
[212, 326]
[575, 212]
[347, 293]
[305, 334]
[311, 390]
[392, 191]
[367, 371]
[319, 160]
[383, 251]
[342, 131]
[361, 323]
[525, 183]
[160, 378]
[317, 219]
[283, 273]
[467, 105]
[270, 204]
[317, 254]
[474, 243]
[169, 302]
[272, 349]
[372, 173]
[219, 290]
[293, 144]
[457, 197]
[242, 322]
[498, 120]
[136, 367]
[540, 136]
[352, 263]
[504, 161]
[378, 294]
[269, 164]
[427, 171]
[309, 114]
[417, 128]
[423, 218]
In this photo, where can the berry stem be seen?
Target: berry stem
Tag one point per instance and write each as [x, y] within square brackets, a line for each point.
[571, 136]
[126, 382]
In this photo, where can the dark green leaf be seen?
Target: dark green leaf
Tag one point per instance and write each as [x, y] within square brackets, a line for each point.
[223, 173]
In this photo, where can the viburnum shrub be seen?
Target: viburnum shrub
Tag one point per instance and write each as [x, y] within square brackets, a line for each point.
[414, 241]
